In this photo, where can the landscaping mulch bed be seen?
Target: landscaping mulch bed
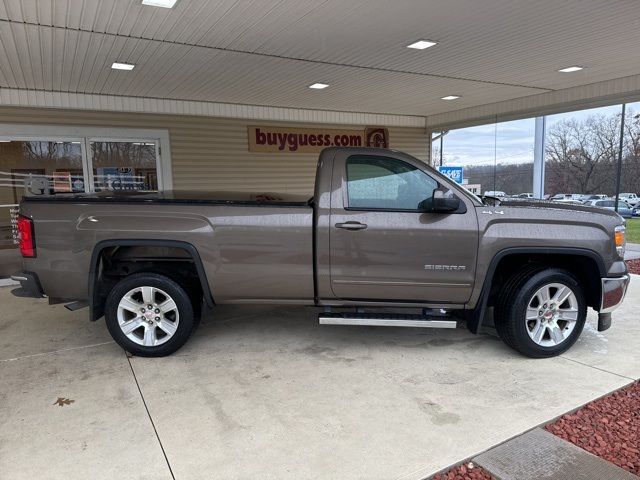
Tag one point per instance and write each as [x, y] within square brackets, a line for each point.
[466, 471]
[608, 427]
[634, 266]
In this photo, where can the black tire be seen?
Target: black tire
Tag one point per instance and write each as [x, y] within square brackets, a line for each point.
[188, 315]
[511, 308]
[507, 291]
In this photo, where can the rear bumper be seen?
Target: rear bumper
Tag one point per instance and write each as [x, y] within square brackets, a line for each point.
[29, 285]
[613, 292]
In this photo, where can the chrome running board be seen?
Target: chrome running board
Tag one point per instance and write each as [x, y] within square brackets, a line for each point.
[386, 320]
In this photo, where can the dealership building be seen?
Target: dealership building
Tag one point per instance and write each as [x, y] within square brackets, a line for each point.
[219, 96]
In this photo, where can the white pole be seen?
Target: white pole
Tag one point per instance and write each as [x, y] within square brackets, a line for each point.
[538, 158]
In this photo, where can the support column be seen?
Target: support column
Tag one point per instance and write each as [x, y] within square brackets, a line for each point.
[538, 158]
[619, 167]
[429, 158]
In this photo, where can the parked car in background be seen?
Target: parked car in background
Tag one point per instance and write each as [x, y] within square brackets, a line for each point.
[524, 195]
[624, 209]
[598, 196]
[567, 198]
[631, 198]
[494, 193]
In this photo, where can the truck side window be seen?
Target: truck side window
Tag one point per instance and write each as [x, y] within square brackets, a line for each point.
[386, 183]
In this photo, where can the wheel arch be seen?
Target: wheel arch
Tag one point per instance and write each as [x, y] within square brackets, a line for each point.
[582, 262]
[97, 303]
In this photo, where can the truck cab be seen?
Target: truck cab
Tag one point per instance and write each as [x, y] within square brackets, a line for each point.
[392, 230]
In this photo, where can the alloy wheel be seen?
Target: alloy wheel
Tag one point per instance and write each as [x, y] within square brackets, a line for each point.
[552, 314]
[148, 316]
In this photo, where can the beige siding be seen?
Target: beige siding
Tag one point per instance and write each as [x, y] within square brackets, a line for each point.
[17, 97]
[212, 153]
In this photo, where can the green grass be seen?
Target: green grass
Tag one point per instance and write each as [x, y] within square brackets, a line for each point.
[633, 230]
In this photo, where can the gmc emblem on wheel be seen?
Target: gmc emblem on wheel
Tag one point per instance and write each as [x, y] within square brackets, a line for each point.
[458, 268]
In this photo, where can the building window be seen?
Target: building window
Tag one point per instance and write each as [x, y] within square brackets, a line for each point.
[497, 158]
[56, 160]
[124, 166]
[581, 152]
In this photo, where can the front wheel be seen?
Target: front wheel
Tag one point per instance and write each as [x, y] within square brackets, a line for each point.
[541, 314]
[149, 315]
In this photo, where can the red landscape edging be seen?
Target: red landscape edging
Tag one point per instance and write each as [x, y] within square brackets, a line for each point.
[634, 266]
[608, 427]
[465, 471]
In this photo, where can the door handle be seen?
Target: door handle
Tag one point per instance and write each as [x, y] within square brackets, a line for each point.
[351, 225]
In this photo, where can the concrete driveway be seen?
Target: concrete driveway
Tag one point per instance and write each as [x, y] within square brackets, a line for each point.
[267, 393]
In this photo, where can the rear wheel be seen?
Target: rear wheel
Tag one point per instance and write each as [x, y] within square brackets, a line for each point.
[150, 315]
[541, 313]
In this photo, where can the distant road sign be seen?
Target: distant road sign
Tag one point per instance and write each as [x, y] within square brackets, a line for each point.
[454, 173]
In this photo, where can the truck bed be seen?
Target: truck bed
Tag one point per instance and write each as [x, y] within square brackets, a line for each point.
[253, 247]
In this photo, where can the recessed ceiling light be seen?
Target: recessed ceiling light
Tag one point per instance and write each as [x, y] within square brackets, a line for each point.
[318, 86]
[160, 3]
[570, 69]
[422, 44]
[451, 97]
[122, 66]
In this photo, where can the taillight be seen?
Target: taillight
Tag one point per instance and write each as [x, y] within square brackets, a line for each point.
[26, 237]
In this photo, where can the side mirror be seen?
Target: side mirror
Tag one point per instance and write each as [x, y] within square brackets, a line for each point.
[441, 203]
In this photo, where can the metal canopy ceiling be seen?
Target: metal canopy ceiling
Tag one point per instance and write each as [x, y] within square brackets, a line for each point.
[266, 52]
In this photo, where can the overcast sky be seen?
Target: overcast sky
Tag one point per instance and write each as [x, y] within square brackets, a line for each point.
[507, 142]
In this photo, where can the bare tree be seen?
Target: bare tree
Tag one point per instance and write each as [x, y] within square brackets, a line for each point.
[579, 153]
[581, 156]
[51, 154]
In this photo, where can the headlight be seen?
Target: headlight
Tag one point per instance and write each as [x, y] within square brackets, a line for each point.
[620, 236]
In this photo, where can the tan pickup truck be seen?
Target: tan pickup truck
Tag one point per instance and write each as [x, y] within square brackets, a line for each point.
[385, 240]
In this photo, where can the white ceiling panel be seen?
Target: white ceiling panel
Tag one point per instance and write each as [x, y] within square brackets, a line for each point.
[165, 70]
[266, 52]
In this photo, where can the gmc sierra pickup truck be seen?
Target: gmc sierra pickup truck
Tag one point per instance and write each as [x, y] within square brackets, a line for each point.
[385, 241]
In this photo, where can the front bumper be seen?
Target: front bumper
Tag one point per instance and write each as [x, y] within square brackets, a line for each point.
[613, 292]
[29, 285]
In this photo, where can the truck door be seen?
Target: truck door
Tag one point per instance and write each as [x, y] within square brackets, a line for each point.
[385, 246]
